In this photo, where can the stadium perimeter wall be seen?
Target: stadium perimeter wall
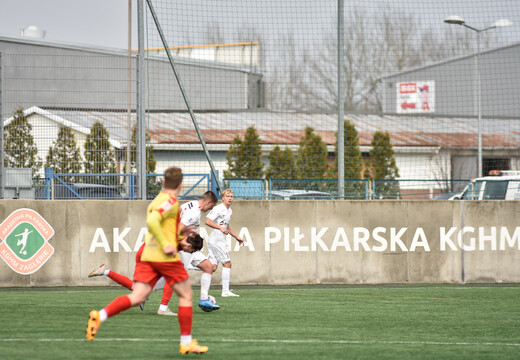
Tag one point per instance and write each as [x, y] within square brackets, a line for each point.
[288, 242]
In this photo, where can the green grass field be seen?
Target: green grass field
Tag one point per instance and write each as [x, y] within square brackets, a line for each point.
[294, 322]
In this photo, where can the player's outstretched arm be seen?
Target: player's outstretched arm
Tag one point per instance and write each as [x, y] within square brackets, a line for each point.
[212, 225]
[239, 239]
[185, 230]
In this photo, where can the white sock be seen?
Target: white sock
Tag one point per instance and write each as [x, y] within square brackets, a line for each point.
[226, 275]
[205, 282]
[106, 272]
[185, 339]
[163, 307]
[103, 315]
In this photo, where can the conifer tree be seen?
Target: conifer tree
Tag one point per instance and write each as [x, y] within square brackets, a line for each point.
[352, 163]
[312, 156]
[99, 156]
[20, 151]
[244, 157]
[64, 155]
[382, 166]
[282, 164]
[234, 158]
[153, 185]
[353, 160]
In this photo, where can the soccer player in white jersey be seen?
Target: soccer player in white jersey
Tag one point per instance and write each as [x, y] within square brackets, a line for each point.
[218, 219]
[190, 216]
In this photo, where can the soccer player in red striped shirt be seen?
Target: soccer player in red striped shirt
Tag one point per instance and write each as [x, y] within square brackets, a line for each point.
[159, 258]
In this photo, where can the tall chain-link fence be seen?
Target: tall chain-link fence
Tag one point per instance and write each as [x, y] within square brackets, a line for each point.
[244, 94]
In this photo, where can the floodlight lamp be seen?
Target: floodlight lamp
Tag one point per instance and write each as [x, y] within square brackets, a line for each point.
[454, 20]
[503, 23]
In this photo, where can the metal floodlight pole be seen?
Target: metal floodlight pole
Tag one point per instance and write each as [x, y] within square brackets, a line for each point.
[341, 130]
[456, 20]
[479, 108]
[129, 99]
[140, 108]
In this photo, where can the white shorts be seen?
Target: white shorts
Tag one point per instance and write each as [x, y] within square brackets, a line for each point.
[191, 261]
[218, 252]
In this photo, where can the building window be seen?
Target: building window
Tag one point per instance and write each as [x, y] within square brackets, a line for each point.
[489, 164]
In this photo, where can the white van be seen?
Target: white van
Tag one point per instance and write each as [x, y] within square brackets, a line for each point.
[500, 185]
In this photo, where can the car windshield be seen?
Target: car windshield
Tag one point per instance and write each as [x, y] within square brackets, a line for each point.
[472, 195]
[99, 193]
[495, 190]
[467, 194]
[311, 196]
[276, 197]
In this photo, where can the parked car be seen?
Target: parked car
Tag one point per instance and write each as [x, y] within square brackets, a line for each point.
[79, 192]
[446, 196]
[500, 185]
[299, 195]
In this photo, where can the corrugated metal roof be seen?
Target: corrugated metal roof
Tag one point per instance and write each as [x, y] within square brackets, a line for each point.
[288, 128]
[120, 52]
[447, 61]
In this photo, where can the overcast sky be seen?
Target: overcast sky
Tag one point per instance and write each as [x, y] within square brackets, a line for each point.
[105, 22]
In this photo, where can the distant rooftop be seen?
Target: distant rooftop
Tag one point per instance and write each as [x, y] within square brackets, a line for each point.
[279, 128]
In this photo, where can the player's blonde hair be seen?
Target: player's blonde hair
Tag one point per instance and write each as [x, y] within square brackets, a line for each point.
[227, 191]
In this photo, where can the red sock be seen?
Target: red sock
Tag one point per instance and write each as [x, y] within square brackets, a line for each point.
[119, 304]
[185, 315]
[121, 279]
[166, 294]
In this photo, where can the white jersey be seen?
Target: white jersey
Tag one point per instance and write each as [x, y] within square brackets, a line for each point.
[221, 216]
[190, 214]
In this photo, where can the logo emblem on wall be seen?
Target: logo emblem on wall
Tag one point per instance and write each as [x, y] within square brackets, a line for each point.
[25, 236]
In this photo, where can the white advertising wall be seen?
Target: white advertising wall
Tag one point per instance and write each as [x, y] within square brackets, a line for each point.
[57, 243]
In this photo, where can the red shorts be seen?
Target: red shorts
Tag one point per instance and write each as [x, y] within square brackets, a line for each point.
[138, 254]
[149, 272]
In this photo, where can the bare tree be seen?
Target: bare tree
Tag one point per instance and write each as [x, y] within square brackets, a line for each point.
[374, 46]
[284, 77]
[214, 34]
[302, 76]
[441, 169]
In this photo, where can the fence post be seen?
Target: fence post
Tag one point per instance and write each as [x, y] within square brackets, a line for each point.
[49, 174]
[131, 186]
[214, 183]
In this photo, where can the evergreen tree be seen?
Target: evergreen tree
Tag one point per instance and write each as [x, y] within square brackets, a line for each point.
[352, 163]
[99, 156]
[244, 157]
[353, 160]
[312, 156]
[153, 184]
[234, 158]
[282, 164]
[64, 154]
[20, 151]
[382, 166]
